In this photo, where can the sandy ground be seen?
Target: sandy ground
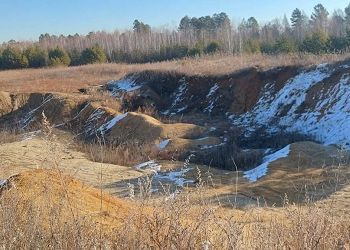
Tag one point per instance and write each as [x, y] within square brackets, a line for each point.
[36, 153]
[325, 185]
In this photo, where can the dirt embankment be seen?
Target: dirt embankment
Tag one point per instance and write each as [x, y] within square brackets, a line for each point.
[214, 95]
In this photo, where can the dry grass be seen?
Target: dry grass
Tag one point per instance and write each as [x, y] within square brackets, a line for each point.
[56, 212]
[105, 100]
[45, 209]
[7, 136]
[128, 153]
[71, 79]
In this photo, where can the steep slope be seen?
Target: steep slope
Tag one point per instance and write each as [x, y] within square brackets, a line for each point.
[315, 102]
[312, 101]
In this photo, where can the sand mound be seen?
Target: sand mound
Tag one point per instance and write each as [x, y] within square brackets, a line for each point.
[146, 129]
[51, 193]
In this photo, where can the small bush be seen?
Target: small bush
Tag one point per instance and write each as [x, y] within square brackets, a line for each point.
[93, 55]
[13, 58]
[251, 46]
[195, 52]
[58, 57]
[74, 57]
[316, 44]
[37, 57]
[212, 48]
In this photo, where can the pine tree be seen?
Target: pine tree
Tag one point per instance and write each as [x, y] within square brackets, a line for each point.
[58, 57]
[319, 18]
[299, 23]
[92, 55]
[185, 24]
[347, 17]
[13, 58]
[337, 26]
[253, 26]
[37, 57]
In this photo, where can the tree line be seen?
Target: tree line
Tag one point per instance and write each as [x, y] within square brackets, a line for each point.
[317, 34]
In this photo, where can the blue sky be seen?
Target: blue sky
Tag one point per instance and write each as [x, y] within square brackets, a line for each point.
[27, 19]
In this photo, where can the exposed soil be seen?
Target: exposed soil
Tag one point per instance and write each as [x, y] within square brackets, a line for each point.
[211, 121]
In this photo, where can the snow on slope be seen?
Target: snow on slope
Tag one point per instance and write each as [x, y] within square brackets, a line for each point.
[3, 183]
[110, 124]
[149, 165]
[175, 176]
[178, 96]
[30, 116]
[122, 86]
[260, 171]
[328, 121]
[163, 144]
[90, 123]
[211, 98]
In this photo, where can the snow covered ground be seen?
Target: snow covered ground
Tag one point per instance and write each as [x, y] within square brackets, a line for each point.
[30, 116]
[177, 176]
[178, 96]
[211, 98]
[110, 124]
[119, 87]
[328, 121]
[163, 144]
[261, 170]
[149, 165]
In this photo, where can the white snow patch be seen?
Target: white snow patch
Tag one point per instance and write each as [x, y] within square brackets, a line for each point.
[163, 144]
[176, 176]
[213, 90]
[202, 139]
[260, 171]
[212, 100]
[121, 86]
[90, 123]
[178, 96]
[212, 129]
[328, 120]
[29, 117]
[3, 183]
[109, 125]
[149, 165]
[30, 135]
[211, 105]
[203, 147]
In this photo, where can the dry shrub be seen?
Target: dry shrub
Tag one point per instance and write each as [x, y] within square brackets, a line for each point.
[303, 227]
[105, 99]
[175, 221]
[29, 225]
[148, 110]
[127, 153]
[8, 136]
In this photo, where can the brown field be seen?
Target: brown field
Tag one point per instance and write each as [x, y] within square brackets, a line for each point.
[68, 80]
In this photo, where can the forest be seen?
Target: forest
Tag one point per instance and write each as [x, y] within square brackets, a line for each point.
[319, 33]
